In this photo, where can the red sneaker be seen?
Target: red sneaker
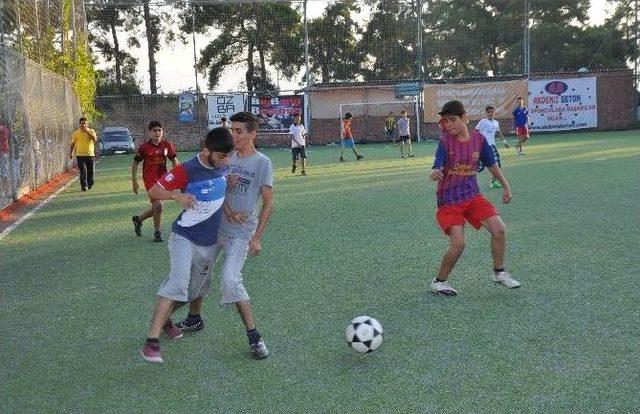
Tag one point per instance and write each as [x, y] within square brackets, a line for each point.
[151, 352]
[171, 331]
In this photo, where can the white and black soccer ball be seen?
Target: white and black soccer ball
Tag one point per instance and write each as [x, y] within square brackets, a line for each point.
[364, 334]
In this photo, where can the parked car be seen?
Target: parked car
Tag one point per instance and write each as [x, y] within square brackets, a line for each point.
[116, 140]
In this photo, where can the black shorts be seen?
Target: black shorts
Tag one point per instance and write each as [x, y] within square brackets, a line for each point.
[404, 138]
[298, 152]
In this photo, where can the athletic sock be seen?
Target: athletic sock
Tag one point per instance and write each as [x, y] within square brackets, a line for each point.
[498, 270]
[193, 318]
[253, 335]
[440, 280]
[156, 340]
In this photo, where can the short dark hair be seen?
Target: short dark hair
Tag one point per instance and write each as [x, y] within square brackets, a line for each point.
[348, 115]
[247, 118]
[83, 119]
[154, 124]
[223, 119]
[452, 108]
[519, 98]
[488, 107]
[219, 140]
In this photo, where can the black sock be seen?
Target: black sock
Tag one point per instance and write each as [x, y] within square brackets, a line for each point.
[498, 270]
[253, 335]
[193, 317]
[156, 340]
[440, 280]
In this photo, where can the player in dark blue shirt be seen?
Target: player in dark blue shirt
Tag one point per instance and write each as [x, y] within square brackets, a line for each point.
[521, 124]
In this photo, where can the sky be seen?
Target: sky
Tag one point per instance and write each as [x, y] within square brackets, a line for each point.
[175, 62]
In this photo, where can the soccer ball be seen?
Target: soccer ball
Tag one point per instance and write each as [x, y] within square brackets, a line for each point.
[364, 334]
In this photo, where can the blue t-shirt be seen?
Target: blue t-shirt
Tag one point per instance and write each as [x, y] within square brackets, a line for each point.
[208, 185]
[520, 117]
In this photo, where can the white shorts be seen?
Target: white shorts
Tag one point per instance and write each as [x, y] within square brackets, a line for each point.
[190, 267]
[232, 288]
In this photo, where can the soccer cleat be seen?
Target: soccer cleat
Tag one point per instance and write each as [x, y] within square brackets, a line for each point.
[293, 169]
[442, 288]
[496, 184]
[341, 159]
[137, 225]
[303, 172]
[259, 350]
[359, 157]
[172, 331]
[190, 325]
[151, 352]
[504, 278]
[411, 156]
[157, 237]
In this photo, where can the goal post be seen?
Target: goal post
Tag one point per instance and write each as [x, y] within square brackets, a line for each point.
[369, 118]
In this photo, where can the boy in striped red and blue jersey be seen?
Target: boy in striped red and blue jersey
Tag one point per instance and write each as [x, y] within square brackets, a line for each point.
[455, 167]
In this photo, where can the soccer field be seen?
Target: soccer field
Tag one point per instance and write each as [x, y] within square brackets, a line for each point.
[77, 290]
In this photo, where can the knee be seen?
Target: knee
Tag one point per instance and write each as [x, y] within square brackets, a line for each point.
[499, 231]
[157, 207]
[457, 245]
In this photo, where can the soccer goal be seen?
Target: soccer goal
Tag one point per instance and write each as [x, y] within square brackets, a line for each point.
[369, 118]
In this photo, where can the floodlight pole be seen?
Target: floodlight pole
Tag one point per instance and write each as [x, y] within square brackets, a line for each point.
[307, 117]
[527, 39]
[195, 57]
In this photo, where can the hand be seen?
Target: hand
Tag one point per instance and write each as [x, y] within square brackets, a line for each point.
[187, 201]
[506, 195]
[232, 181]
[436, 174]
[254, 247]
[71, 156]
[134, 185]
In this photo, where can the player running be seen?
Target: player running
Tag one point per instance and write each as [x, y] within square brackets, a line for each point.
[347, 138]
[153, 154]
[488, 127]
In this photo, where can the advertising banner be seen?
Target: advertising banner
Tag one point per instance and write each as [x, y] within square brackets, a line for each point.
[475, 96]
[275, 113]
[563, 104]
[186, 107]
[223, 106]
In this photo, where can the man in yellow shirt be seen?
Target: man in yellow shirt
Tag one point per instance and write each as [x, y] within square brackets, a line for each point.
[83, 142]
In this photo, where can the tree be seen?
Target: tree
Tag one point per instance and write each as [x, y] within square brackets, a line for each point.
[158, 25]
[250, 34]
[333, 47]
[389, 41]
[107, 20]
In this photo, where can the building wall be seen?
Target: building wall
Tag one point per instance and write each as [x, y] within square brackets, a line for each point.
[615, 111]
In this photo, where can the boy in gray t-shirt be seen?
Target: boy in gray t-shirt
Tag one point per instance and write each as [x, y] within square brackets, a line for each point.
[243, 225]
[404, 136]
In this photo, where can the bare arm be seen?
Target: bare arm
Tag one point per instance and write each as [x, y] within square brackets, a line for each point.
[134, 176]
[92, 134]
[187, 201]
[506, 190]
[73, 147]
[174, 162]
[255, 245]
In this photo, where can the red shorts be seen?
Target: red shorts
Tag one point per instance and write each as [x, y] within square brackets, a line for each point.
[522, 131]
[474, 211]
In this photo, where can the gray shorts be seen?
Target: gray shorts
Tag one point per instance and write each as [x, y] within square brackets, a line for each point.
[231, 284]
[190, 267]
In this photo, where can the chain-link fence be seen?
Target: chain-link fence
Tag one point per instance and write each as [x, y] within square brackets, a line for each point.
[39, 107]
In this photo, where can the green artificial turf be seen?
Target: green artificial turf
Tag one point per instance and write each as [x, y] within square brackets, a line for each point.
[77, 290]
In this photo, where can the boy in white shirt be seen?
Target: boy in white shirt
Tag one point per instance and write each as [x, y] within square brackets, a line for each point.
[488, 127]
[298, 133]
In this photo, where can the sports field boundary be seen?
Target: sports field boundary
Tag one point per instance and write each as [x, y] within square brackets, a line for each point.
[19, 211]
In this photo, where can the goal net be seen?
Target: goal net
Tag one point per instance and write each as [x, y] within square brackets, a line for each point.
[369, 119]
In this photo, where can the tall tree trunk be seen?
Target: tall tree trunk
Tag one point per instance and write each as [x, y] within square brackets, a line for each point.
[263, 66]
[152, 44]
[250, 67]
[116, 53]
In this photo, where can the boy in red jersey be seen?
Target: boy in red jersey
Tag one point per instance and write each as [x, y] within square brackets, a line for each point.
[459, 199]
[153, 154]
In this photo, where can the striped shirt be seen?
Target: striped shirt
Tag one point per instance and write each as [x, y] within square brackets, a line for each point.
[460, 161]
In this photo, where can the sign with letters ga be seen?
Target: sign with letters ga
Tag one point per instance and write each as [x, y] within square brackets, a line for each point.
[563, 104]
